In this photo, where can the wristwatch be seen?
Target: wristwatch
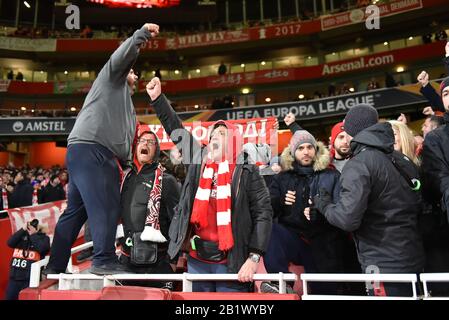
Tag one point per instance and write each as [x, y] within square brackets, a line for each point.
[254, 257]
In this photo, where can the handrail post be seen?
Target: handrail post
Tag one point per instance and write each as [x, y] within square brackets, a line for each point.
[108, 282]
[186, 283]
[282, 285]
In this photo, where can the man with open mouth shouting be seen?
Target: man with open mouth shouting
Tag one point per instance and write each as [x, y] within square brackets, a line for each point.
[224, 216]
[148, 198]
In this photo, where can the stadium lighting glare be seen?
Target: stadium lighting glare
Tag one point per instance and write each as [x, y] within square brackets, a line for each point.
[351, 89]
[263, 63]
[23, 108]
[309, 57]
[410, 38]
[386, 43]
[301, 96]
[198, 70]
[176, 71]
[245, 90]
[333, 53]
[66, 72]
[242, 65]
[27, 4]
[32, 110]
[197, 106]
[400, 69]
[41, 72]
[73, 109]
[267, 99]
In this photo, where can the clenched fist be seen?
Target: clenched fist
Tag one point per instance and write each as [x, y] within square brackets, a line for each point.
[289, 119]
[423, 78]
[428, 111]
[153, 28]
[154, 89]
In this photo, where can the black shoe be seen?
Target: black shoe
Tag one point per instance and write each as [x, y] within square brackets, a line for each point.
[107, 269]
[85, 255]
[46, 271]
[269, 287]
[169, 286]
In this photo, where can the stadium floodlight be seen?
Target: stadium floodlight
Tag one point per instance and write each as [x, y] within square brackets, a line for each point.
[139, 4]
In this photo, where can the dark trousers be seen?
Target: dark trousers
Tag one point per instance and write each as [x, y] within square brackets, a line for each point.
[286, 247]
[94, 193]
[14, 288]
[196, 266]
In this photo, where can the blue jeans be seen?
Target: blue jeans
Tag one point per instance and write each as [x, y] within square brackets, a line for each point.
[94, 193]
[196, 266]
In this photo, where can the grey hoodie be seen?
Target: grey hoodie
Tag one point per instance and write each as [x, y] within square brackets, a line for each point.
[108, 116]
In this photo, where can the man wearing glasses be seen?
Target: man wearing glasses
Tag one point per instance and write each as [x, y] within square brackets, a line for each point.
[148, 198]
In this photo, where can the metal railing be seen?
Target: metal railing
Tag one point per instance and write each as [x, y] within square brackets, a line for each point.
[36, 267]
[66, 280]
[69, 281]
[338, 277]
[433, 277]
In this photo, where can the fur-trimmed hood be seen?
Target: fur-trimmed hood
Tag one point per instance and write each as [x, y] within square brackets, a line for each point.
[321, 161]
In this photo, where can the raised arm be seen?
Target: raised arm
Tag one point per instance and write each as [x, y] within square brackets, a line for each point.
[183, 139]
[429, 92]
[124, 57]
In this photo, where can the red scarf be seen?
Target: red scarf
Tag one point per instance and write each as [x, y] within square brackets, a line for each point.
[34, 202]
[5, 199]
[152, 228]
[201, 202]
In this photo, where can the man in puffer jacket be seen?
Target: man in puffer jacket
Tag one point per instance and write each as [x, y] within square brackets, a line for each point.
[314, 244]
[377, 203]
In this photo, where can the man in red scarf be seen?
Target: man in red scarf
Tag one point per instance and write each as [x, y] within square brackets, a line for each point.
[148, 196]
[224, 217]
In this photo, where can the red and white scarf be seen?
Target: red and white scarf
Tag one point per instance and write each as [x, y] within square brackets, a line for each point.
[35, 201]
[201, 203]
[5, 199]
[152, 228]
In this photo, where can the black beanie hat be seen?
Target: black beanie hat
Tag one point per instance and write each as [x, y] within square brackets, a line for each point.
[444, 84]
[35, 223]
[359, 118]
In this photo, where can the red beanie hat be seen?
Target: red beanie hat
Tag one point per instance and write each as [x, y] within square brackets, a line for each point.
[336, 130]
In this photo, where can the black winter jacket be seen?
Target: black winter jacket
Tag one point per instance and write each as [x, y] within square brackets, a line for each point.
[306, 182]
[22, 195]
[251, 210]
[435, 167]
[50, 193]
[378, 206]
[27, 250]
[134, 200]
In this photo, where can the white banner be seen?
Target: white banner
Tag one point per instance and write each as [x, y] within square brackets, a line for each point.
[23, 44]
